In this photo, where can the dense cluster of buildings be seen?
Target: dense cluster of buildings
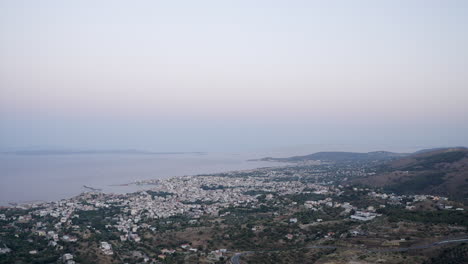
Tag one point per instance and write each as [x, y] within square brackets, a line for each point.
[192, 196]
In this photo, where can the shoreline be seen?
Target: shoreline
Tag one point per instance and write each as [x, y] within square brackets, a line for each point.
[148, 183]
[29, 179]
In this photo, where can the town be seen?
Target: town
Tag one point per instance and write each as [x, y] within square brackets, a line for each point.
[298, 211]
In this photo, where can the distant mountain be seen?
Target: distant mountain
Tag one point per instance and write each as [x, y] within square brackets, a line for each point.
[441, 171]
[340, 157]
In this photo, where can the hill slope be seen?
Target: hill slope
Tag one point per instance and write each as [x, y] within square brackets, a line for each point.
[340, 156]
[441, 172]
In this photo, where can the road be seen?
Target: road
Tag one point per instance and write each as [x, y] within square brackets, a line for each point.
[236, 258]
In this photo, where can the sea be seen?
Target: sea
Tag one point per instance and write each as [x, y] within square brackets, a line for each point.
[51, 177]
[37, 178]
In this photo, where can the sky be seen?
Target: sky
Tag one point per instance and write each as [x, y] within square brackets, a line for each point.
[233, 75]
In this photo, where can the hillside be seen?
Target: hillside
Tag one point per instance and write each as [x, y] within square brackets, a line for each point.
[441, 172]
[340, 157]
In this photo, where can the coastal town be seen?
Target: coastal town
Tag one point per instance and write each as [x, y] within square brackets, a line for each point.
[298, 211]
[233, 132]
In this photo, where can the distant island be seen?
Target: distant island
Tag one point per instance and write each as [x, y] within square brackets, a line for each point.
[92, 152]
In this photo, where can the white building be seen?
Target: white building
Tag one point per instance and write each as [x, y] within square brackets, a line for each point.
[106, 248]
[363, 216]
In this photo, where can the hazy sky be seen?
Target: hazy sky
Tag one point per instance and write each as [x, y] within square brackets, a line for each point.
[233, 75]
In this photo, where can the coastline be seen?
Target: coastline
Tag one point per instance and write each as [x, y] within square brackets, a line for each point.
[130, 187]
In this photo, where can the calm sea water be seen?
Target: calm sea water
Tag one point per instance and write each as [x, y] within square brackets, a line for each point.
[28, 178]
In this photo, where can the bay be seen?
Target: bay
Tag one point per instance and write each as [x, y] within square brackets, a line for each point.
[31, 178]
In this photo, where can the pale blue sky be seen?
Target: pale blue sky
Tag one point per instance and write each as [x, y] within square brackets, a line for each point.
[233, 75]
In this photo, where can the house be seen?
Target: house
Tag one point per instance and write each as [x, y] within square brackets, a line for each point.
[52, 244]
[256, 228]
[68, 238]
[293, 220]
[4, 250]
[66, 257]
[363, 216]
[168, 251]
[106, 248]
[185, 246]
[216, 255]
[135, 237]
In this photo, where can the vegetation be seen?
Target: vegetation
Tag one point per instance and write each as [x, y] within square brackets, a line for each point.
[454, 255]
[96, 218]
[430, 162]
[417, 183]
[396, 214]
[326, 214]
